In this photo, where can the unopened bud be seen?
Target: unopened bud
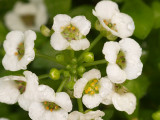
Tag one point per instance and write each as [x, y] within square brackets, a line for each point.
[54, 74]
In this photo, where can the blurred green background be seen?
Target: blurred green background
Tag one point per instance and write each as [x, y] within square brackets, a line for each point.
[146, 15]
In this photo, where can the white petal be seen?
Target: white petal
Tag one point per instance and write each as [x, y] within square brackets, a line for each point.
[30, 94]
[79, 44]
[108, 99]
[58, 42]
[36, 111]
[133, 69]
[60, 20]
[94, 115]
[13, 22]
[110, 50]
[124, 24]
[131, 48]
[4, 119]
[115, 73]
[91, 101]
[82, 24]
[106, 87]
[59, 115]
[9, 93]
[75, 115]
[106, 9]
[125, 102]
[45, 93]
[79, 87]
[92, 74]
[12, 78]
[64, 101]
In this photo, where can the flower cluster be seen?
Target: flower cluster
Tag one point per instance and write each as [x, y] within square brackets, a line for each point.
[90, 88]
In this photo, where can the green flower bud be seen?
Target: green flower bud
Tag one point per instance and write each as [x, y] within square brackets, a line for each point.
[68, 67]
[66, 74]
[54, 74]
[45, 31]
[70, 85]
[74, 61]
[88, 57]
[60, 58]
[74, 71]
[156, 115]
[81, 70]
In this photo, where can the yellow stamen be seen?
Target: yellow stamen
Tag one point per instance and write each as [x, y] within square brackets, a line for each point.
[16, 53]
[86, 91]
[73, 28]
[69, 27]
[51, 110]
[45, 103]
[92, 92]
[47, 108]
[56, 107]
[95, 81]
[92, 84]
[96, 88]
[89, 89]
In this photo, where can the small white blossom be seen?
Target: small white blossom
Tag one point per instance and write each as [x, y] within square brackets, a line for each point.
[124, 60]
[50, 105]
[4, 119]
[70, 33]
[92, 87]
[91, 115]
[109, 16]
[19, 89]
[19, 48]
[25, 16]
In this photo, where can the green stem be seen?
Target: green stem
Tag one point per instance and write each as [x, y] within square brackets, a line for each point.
[80, 105]
[62, 85]
[43, 76]
[38, 54]
[95, 63]
[95, 41]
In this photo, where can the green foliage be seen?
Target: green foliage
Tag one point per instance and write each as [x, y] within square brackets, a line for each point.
[142, 16]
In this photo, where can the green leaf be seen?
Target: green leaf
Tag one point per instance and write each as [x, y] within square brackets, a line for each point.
[138, 86]
[85, 10]
[156, 11]
[142, 16]
[108, 113]
[58, 6]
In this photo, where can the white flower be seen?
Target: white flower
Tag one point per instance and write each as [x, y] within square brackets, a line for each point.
[4, 119]
[19, 48]
[109, 16]
[91, 115]
[92, 87]
[19, 88]
[70, 32]
[50, 105]
[124, 60]
[25, 16]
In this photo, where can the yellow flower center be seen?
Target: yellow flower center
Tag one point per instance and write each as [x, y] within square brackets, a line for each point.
[20, 51]
[92, 87]
[121, 61]
[110, 25]
[51, 106]
[70, 32]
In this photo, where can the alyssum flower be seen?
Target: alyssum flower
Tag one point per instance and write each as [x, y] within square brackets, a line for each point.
[19, 48]
[92, 88]
[70, 33]
[124, 60]
[109, 16]
[25, 16]
[50, 105]
[19, 89]
[121, 99]
[91, 115]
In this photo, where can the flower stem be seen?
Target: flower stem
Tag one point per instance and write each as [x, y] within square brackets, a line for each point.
[62, 85]
[95, 63]
[43, 76]
[38, 54]
[95, 41]
[80, 105]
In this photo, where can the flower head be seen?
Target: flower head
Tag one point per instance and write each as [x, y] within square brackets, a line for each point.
[19, 50]
[91, 115]
[124, 60]
[50, 105]
[19, 89]
[25, 16]
[70, 33]
[109, 16]
[92, 87]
